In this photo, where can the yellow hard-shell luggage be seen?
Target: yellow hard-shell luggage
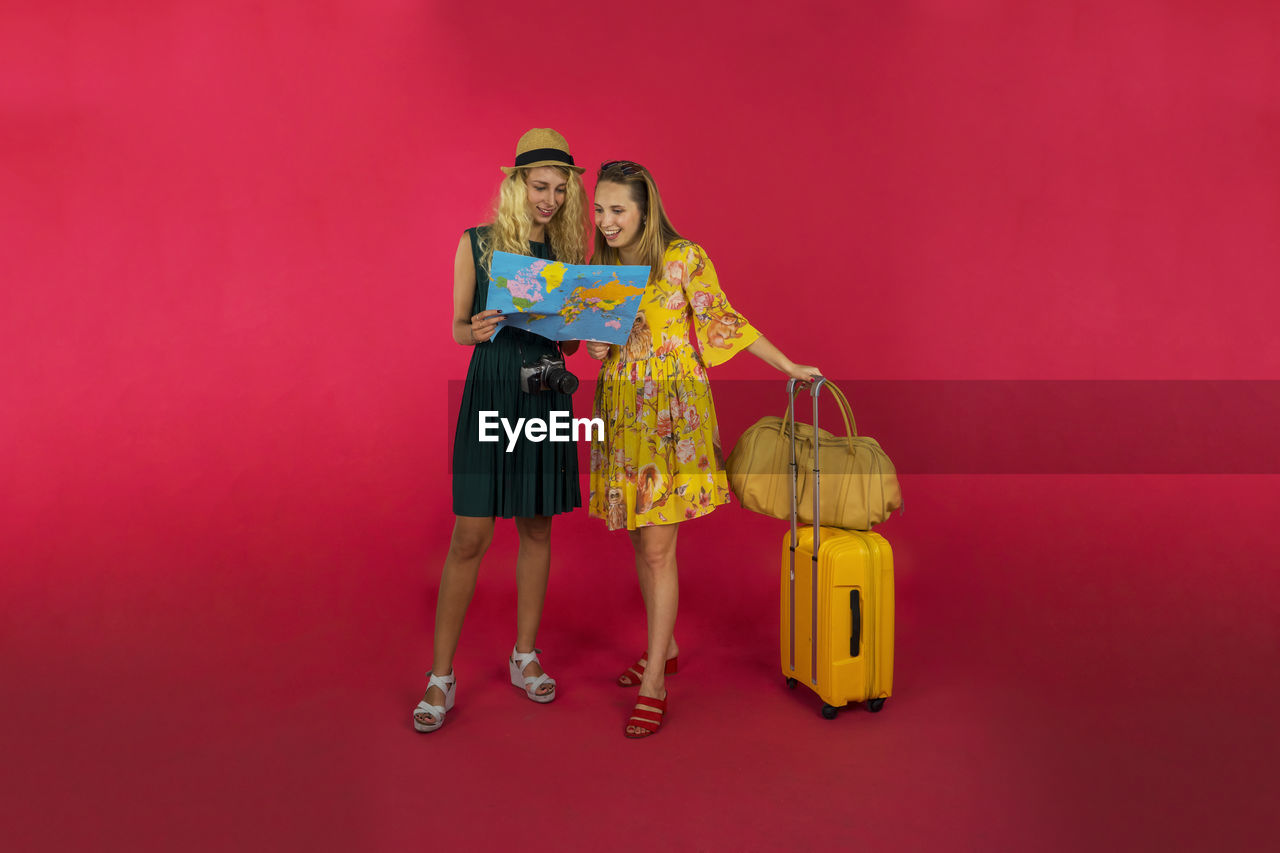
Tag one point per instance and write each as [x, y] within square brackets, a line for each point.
[837, 633]
[837, 605]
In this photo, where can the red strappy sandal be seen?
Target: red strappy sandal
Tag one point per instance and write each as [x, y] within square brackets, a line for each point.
[631, 678]
[648, 715]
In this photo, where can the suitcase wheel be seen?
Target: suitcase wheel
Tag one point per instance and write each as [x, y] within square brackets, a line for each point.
[791, 683]
[829, 711]
[874, 705]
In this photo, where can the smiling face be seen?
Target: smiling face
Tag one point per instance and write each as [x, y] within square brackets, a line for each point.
[546, 187]
[617, 215]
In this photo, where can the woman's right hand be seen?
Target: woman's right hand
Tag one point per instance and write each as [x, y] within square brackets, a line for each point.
[597, 350]
[485, 325]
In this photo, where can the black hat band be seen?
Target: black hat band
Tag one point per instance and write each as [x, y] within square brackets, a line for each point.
[544, 154]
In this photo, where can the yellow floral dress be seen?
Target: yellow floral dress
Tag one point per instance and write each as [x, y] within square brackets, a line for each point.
[660, 460]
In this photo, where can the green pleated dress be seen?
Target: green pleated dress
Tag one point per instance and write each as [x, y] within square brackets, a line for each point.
[535, 478]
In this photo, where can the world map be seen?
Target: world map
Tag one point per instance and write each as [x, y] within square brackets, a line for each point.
[566, 301]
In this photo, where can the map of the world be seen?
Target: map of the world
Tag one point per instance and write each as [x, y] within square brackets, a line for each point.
[578, 302]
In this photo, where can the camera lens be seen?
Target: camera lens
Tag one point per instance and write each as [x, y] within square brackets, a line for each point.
[560, 379]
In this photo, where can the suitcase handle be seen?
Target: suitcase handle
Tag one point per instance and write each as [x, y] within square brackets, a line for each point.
[842, 403]
[790, 421]
[855, 635]
[814, 386]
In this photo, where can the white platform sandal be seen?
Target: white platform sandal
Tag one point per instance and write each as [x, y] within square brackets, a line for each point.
[448, 684]
[530, 684]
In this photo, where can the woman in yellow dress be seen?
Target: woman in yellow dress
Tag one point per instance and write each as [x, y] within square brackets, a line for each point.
[660, 462]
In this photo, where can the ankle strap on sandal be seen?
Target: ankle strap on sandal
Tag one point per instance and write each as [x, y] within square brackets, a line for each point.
[523, 659]
[444, 682]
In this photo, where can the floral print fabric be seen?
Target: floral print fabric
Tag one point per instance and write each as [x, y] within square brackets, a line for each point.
[660, 460]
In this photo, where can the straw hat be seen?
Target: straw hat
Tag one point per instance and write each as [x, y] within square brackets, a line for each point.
[542, 146]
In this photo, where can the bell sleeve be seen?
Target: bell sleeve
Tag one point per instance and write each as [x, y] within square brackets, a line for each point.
[721, 331]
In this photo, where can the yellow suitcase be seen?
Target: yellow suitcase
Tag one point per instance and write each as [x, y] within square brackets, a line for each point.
[837, 616]
[837, 603]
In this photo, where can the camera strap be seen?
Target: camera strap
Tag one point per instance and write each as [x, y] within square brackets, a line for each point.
[520, 349]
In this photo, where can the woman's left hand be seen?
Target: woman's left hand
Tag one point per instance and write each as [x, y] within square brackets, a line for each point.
[804, 372]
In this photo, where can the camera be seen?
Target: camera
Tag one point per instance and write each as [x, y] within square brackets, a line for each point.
[547, 374]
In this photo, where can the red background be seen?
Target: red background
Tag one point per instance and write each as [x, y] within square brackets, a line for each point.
[226, 235]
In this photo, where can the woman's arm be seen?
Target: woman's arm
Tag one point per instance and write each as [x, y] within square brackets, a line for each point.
[762, 349]
[468, 330]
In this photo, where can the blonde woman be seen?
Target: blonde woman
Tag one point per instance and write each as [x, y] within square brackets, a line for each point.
[541, 212]
[660, 464]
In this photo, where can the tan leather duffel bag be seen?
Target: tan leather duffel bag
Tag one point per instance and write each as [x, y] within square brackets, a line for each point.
[859, 483]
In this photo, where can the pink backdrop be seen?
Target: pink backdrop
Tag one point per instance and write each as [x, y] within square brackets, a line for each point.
[226, 236]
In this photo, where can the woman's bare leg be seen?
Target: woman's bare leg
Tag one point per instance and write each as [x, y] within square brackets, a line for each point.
[646, 592]
[656, 562]
[471, 538]
[533, 566]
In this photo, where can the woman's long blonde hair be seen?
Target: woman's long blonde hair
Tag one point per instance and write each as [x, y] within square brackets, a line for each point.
[511, 226]
[656, 233]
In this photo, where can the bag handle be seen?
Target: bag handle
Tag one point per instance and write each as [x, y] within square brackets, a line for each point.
[846, 412]
[850, 421]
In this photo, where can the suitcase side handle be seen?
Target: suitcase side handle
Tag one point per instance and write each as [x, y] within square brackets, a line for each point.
[855, 635]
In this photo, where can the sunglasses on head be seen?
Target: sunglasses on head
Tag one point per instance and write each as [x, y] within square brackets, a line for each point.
[626, 167]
